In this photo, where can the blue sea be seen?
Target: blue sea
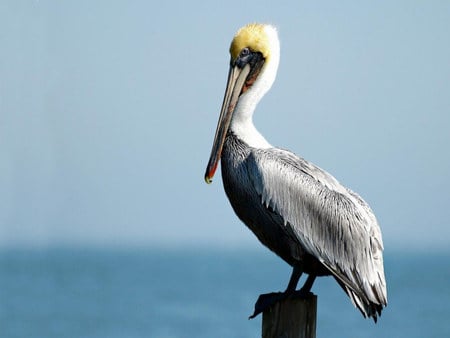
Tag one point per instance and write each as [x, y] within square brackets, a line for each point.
[199, 293]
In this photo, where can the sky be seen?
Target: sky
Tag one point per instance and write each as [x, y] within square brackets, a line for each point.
[108, 111]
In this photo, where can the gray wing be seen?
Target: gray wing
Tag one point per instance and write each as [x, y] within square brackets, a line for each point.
[331, 222]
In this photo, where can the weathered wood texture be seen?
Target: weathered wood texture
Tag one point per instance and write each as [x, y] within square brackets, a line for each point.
[291, 318]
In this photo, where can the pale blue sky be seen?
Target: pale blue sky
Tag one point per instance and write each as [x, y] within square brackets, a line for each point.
[108, 111]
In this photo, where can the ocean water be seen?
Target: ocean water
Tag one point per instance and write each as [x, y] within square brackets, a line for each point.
[199, 293]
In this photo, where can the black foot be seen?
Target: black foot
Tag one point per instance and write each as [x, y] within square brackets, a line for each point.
[266, 300]
[302, 293]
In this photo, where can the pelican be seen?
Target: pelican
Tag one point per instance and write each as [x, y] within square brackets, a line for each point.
[296, 209]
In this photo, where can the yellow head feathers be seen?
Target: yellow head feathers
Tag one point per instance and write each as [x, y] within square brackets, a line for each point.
[253, 36]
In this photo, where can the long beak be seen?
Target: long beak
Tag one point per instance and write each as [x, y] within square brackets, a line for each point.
[236, 80]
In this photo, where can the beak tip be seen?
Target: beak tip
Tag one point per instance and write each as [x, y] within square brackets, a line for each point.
[210, 171]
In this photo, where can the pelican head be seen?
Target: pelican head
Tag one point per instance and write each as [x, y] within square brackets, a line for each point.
[255, 53]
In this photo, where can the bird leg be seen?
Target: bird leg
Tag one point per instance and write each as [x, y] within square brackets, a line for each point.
[293, 281]
[266, 300]
[305, 291]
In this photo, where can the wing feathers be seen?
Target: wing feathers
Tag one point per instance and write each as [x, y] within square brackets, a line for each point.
[331, 222]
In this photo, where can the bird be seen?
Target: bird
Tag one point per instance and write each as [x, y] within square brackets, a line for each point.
[296, 209]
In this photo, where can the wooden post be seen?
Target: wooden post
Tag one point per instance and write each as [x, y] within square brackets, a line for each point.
[291, 318]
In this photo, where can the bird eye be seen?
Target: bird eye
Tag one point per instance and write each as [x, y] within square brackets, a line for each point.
[245, 52]
[244, 57]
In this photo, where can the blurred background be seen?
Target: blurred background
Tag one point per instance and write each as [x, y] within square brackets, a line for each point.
[107, 117]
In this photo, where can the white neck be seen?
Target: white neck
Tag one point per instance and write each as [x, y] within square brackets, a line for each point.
[242, 122]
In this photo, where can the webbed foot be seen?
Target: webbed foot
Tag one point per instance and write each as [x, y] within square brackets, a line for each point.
[266, 300]
[302, 293]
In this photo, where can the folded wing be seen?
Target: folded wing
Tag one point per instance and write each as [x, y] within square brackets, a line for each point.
[331, 222]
